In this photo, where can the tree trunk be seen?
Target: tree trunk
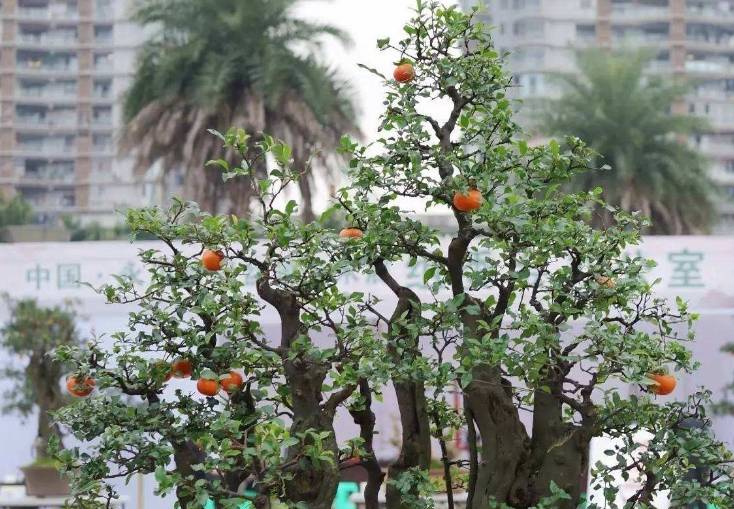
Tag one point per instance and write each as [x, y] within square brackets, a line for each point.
[403, 346]
[185, 456]
[44, 373]
[559, 450]
[511, 467]
[504, 441]
[365, 419]
[312, 483]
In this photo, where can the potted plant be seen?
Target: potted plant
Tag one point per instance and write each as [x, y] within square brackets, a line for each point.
[28, 339]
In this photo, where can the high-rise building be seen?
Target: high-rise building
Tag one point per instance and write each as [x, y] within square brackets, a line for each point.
[64, 65]
[693, 39]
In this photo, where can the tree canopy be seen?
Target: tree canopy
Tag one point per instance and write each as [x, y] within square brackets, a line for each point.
[526, 307]
[29, 339]
[217, 63]
[629, 118]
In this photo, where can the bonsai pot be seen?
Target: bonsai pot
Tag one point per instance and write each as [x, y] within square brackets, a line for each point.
[44, 481]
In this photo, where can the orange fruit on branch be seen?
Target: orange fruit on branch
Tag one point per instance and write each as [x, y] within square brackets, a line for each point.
[404, 73]
[468, 202]
[605, 281]
[182, 368]
[207, 387]
[232, 382]
[351, 233]
[212, 260]
[80, 388]
[665, 384]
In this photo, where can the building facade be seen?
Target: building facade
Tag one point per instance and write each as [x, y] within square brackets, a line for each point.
[64, 65]
[691, 39]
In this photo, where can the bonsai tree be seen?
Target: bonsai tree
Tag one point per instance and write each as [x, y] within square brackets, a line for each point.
[29, 339]
[526, 307]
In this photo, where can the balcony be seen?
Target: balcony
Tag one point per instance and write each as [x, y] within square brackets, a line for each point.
[718, 94]
[46, 175]
[50, 201]
[709, 14]
[47, 14]
[710, 44]
[35, 149]
[640, 39]
[636, 14]
[47, 40]
[47, 123]
[46, 95]
[709, 67]
[102, 121]
[48, 66]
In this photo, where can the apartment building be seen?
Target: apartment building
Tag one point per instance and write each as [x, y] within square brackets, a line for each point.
[693, 39]
[64, 65]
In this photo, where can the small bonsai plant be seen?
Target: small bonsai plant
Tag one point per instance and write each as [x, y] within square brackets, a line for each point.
[29, 338]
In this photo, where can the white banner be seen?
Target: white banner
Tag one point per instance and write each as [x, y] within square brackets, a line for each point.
[699, 269]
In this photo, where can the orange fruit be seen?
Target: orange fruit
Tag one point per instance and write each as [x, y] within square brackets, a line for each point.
[181, 368]
[468, 202]
[404, 73]
[232, 382]
[78, 388]
[212, 260]
[665, 384]
[351, 233]
[207, 387]
[605, 281]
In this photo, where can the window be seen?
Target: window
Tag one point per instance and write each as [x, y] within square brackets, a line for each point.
[529, 28]
[103, 34]
[586, 32]
[103, 62]
[102, 142]
[522, 4]
[102, 88]
[102, 115]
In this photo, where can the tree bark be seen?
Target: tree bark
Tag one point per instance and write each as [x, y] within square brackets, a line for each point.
[403, 346]
[312, 483]
[559, 449]
[44, 373]
[365, 419]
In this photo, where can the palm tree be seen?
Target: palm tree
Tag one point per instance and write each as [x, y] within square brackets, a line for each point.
[222, 63]
[628, 117]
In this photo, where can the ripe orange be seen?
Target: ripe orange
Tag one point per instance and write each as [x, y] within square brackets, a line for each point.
[468, 202]
[404, 73]
[80, 389]
[232, 382]
[351, 233]
[665, 384]
[351, 462]
[605, 281]
[181, 368]
[212, 260]
[207, 387]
